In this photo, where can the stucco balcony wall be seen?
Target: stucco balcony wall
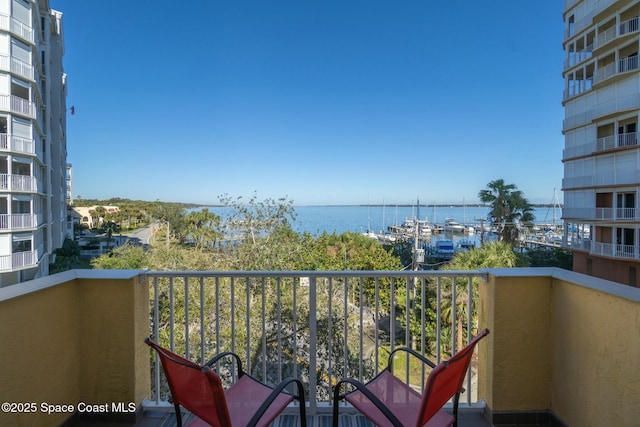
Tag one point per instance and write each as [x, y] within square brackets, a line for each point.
[71, 338]
[560, 342]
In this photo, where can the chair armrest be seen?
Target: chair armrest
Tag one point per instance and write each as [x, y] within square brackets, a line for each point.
[372, 397]
[234, 356]
[412, 352]
[273, 395]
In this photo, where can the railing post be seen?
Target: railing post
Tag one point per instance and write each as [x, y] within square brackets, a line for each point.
[313, 342]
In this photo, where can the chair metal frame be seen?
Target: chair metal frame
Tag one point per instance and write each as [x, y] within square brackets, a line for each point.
[219, 405]
[433, 398]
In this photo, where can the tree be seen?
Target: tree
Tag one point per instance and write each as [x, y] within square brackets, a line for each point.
[125, 257]
[258, 218]
[550, 257]
[170, 216]
[203, 227]
[66, 256]
[509, 208]
[490, 255]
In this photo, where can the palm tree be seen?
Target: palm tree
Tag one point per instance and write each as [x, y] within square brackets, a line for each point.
[491, 255]
[509, 208]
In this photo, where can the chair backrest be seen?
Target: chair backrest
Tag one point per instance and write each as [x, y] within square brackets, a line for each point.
[446, 379]
[196, 388]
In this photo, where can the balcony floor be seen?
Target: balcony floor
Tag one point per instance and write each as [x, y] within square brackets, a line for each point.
[157, 418]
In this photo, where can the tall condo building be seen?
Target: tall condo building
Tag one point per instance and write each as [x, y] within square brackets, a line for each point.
[33, 149]
[602, 156]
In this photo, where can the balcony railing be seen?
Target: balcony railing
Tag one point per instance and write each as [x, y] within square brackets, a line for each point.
[611, 178]
[317, 326]
[17, 221]
[17, 182]
[16, 66]
[625, 27]
[18, 105]
[18, 260]
[617, 141]
[578, 150]
[620, 66]
[577, 56]
[615, 250]
[618, 104]
[19, 28]
[16, 144]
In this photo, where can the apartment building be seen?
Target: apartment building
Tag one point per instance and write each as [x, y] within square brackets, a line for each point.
[33, 152]
[602, 156]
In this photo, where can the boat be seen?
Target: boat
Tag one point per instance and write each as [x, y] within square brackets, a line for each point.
[465, 245]
[444, 247]
[453, 226]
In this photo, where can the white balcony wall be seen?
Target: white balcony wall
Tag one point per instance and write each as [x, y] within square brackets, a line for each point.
[579, 199]
[5, 47]
[579, 167]
[5, 84]
[6, 244]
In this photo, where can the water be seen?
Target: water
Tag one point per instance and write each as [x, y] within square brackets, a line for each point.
[359, 219]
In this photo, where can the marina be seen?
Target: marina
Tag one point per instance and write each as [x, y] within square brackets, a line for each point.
[391, 224]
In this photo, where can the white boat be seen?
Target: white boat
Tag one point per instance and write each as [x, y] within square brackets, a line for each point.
[453, 226]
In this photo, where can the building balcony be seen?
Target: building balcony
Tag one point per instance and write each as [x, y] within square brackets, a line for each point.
[18, 261]
[615, 251]
[16, 66]
[17, 144]
[578, 56]
[602, 179]
[562, 347]
[13, 222]
[611, 142]
[16, 27]
[12, 182]
[619, 104]
[620, 66]
[602, 214]
[18, 105]
[625, 28]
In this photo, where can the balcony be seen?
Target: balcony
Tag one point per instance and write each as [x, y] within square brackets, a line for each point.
[18, 260]
[16, 144]
[602, 214]
[563, 346]
[618, 104]
[12, 222]
[615, 250]
[624, 28]
[16, 66]
[13, 182]
[602, 179]
[18, 105]
[618, 67]
[16, 27]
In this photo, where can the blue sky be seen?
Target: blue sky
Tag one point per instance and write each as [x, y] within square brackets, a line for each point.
[323, 102]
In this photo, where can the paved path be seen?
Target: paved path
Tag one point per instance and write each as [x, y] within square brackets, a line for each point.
[139, 236]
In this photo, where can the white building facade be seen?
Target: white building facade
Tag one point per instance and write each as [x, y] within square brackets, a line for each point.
[33, 151]
[602, 156]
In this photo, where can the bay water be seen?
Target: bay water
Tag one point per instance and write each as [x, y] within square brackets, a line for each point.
[360, 219]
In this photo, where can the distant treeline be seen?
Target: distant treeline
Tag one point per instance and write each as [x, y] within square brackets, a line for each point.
[117, 201]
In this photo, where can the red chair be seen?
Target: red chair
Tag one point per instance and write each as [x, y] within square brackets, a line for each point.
[248, 402]
[388, 401]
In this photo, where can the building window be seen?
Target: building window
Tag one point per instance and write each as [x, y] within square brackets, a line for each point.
[571, 24]
[626, 203]
[21, 246]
